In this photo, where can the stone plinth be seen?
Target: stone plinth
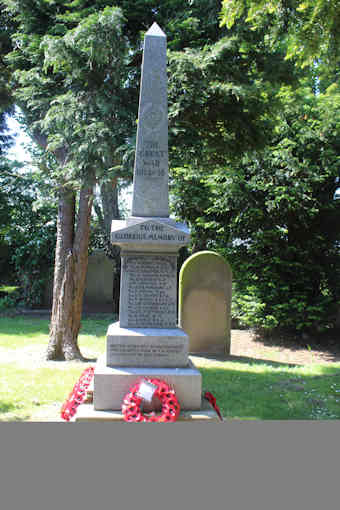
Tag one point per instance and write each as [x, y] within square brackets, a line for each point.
[112, 383]
[86, 413]
[146, 342]
[146, 347]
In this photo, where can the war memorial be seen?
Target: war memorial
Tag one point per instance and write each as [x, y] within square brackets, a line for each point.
[147, 342]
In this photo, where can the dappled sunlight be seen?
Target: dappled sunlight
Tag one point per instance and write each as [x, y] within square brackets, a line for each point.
[15, 331]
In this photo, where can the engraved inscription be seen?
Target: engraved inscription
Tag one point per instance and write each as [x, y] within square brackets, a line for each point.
[149, 232]
[151, 291]
[152, 160]
[143, 351]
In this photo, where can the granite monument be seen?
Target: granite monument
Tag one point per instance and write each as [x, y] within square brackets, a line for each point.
[146, 341]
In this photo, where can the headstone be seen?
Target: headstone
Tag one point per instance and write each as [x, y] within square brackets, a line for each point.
[99, 283]
[205, 302]
[147, 339]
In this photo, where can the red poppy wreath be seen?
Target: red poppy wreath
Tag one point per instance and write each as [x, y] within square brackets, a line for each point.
[77, 395]
[132, 403]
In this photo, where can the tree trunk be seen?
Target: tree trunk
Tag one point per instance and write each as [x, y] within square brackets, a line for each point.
[109, 211]
[69, 273]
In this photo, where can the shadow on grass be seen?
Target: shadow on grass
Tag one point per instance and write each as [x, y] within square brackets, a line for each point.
[327, 342]
[243, 359]
[25, 325]
[77, 360]
[20, 325]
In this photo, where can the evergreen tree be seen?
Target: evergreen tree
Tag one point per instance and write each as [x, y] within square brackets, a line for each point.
[75, 70]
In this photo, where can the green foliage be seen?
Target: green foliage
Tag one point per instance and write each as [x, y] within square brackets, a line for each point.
[286, 239]
[77, 79]
[8, 302]
[68, 80]
[312, 25]
[6, 106]
[28, 232]
[273, 216]
[75, 70]
[220, 96]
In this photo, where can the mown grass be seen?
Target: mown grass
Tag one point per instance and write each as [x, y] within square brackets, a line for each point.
[245, 389]
[8, 288]
[273, 391]
[25, 391]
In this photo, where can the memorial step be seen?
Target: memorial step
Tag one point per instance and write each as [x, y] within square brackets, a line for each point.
[87, 413]
[146, 347]
[111, 384]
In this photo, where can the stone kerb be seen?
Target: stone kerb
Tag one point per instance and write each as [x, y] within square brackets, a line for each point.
[205, 302]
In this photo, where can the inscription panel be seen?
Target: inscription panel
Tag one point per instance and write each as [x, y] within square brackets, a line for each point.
[148, 291]
[142, 351]
[149, 232]
[146, 347]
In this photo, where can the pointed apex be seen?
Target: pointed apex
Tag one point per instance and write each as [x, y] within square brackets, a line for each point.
[155, 30]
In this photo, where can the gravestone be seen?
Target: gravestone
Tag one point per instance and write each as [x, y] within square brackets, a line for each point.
[99, 283]
[205, 301]
[146, 341]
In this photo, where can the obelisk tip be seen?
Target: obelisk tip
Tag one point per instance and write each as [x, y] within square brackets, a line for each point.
[155, 30]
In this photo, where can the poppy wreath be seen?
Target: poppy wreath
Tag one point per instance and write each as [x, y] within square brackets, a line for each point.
[131, 407]
[77, 395]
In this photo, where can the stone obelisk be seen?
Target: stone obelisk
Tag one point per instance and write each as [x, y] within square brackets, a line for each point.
[146, 340]
[150, 180]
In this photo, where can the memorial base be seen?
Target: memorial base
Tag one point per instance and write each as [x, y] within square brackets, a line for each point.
[146, 347]
[111, 384]
[87, 413]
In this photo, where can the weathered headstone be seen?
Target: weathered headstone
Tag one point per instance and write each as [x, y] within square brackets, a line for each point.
[205, 302]
[147, 341]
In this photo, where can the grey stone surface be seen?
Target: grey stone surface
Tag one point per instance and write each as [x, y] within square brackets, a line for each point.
[205, 301]
[150, 181]
[134, 220]
[112, 383]
[149, 234]
[148, 297]
[146, 347]
[86, 412]
[149, 239]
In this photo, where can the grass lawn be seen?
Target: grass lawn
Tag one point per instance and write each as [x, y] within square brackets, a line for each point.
[8, 288]
[32, 389]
